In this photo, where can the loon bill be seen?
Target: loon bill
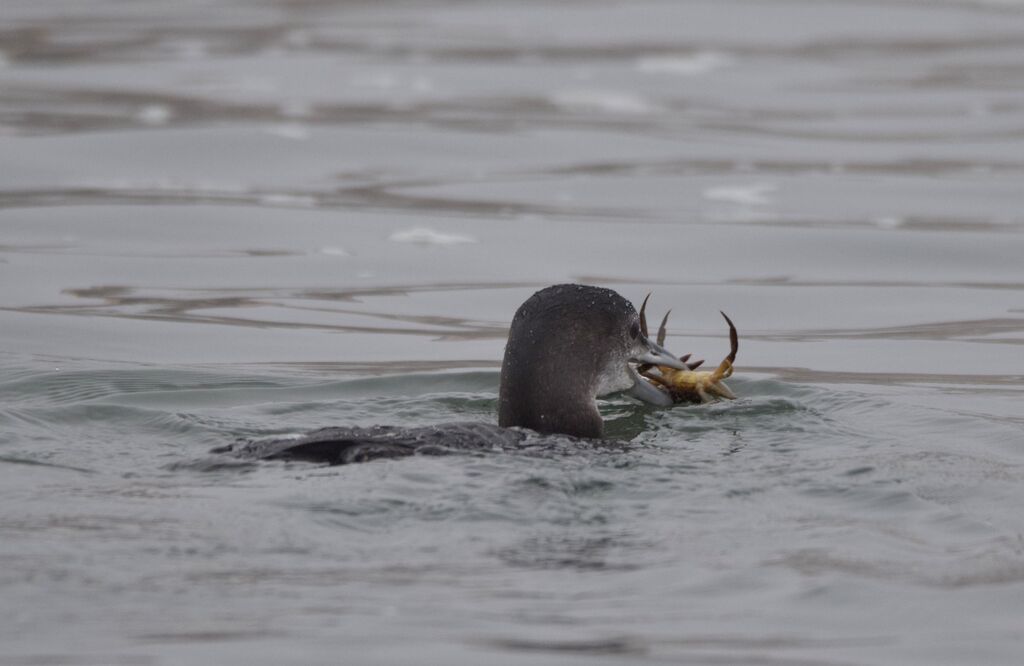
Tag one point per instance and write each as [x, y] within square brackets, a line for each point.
[568, 344]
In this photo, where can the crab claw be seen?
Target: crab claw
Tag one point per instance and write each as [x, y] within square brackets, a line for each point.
[734, 339]
[661, 329]
[643, 316]
[724, 369]
[658, 355]
[661, 341]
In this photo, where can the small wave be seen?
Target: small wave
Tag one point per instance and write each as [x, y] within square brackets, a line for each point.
[292, 131]
[14, 460]
[755, 194]
[155, 114]
[211, 464]
[287, 200]
[427, 236]
[694, 64]
[603, 101]
[68, 387]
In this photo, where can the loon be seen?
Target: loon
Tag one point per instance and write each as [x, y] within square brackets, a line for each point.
[568, 344]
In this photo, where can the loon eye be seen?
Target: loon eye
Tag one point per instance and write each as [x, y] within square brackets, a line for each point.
[634, 330]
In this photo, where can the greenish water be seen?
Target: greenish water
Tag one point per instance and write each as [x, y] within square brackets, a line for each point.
[227, 220]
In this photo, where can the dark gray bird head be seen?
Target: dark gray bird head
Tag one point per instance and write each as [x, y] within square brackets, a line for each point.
[569, 344]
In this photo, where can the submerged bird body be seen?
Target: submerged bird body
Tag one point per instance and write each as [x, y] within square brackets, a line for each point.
[340, 446]
[567, 345]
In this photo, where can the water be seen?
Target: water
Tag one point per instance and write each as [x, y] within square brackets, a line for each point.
[223, 220]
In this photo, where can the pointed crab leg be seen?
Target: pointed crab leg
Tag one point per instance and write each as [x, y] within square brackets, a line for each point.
[724, 369]
[644, 367]
[734, 339]
[720, 390]
[643, 316]
[661, 341]
[661, 329]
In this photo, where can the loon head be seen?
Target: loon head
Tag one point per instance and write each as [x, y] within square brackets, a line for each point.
[569, 344]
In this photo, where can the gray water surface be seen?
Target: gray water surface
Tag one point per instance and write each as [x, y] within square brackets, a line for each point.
[223, 220]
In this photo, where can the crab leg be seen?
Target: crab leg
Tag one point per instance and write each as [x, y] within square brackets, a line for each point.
[643, 316]
[724, 369]
[720, 390]
[661, 329]
[644, 367]
[661, 341]
[734, 339]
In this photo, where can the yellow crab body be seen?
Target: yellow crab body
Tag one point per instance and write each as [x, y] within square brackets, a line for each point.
[695, 386]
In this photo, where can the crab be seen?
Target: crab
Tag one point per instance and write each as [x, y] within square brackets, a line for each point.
[691, 385]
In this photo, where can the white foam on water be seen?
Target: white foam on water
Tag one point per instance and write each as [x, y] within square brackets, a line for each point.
[426, 236]
[291, 200]
[293, 131]
[755, 194]
[390, 81]
[334, 251]
[888, 222]
[694, 64]
[154, 114]
[603, 101]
